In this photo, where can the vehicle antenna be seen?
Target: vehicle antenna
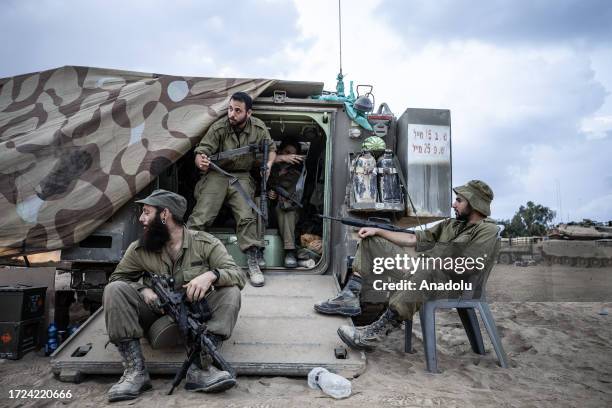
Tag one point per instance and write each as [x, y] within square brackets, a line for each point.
[340, 33]
[340, 77]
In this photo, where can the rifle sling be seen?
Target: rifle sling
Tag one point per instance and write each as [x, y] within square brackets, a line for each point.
[233, 181]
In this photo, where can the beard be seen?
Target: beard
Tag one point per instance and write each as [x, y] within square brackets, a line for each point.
[464, 216]
[237, 125]
[155, 236]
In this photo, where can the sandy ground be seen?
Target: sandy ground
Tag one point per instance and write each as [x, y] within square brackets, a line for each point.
[553, 327]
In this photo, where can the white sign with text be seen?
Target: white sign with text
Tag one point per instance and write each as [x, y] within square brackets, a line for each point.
[428, 143]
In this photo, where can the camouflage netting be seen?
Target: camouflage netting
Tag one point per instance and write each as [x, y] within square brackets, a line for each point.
[77, 143]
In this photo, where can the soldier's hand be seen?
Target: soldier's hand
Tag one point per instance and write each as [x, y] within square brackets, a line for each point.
[196, 288]
[290, 158]
[295, 158]
[367, 232]
[151, 299]
[272, 195]
[202, 162]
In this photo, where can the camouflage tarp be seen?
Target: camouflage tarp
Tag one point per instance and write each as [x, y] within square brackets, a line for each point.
[77, 143]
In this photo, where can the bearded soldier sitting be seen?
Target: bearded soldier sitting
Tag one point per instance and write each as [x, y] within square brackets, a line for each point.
[197, 261]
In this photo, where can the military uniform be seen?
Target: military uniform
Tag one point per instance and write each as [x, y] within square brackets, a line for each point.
[213, 188]
[286, 175]
[129, 317]
[449, 239]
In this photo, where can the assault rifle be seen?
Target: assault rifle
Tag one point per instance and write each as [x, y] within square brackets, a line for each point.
[285, 194]
[355, 222]
[190, 319]
[229, 154]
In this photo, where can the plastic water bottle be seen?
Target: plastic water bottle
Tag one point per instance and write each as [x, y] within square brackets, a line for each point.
[332, 384]
[51, 344]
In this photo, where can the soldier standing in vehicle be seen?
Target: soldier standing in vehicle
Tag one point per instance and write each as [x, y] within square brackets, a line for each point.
[470, 235]
[236, 130]
[286, 172]
[197, 261]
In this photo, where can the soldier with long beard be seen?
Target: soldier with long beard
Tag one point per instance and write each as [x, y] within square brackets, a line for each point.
[199, 264]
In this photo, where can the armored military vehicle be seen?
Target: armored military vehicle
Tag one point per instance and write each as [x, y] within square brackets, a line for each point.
[521, 249]
[578, 245]
[128, 133]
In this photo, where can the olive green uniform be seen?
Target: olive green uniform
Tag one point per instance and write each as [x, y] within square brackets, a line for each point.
[129, 317]
[448, 239]
[213, 189]
[286, 176]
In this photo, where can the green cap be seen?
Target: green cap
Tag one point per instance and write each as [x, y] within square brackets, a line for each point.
[167, 199]
[478, 194]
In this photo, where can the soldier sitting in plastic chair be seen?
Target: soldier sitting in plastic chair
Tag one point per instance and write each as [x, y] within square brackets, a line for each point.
[470, 235]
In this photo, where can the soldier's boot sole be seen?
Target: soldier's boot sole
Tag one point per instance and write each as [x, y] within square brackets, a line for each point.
[216, 387]
[349, 311]
[349, 341]
[130, 395]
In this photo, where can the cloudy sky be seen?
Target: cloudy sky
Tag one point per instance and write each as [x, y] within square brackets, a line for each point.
[528, 83]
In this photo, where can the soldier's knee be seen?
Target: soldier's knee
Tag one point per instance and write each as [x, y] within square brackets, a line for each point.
[114, 290]
[228, 296]
[372, 242]
[233, 295]
[116, 286]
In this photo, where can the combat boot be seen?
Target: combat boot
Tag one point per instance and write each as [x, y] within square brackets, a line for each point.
[346, 303]
[290, 260]
[208, 379]
[255, 274]
[261, 261]
[204, 377]
[135, 379]
[368, 337]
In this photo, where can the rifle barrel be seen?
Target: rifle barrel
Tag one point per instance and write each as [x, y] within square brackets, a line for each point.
[364, 223]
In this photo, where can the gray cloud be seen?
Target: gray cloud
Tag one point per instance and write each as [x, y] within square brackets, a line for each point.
[518, 94]
[148, 35]
[502, 21]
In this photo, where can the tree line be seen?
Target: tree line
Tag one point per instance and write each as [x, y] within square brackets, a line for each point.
[530, 220]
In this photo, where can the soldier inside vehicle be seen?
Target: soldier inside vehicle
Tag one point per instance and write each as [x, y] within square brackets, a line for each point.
[295, 194]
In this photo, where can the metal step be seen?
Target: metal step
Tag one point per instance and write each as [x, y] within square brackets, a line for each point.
[278, 333]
